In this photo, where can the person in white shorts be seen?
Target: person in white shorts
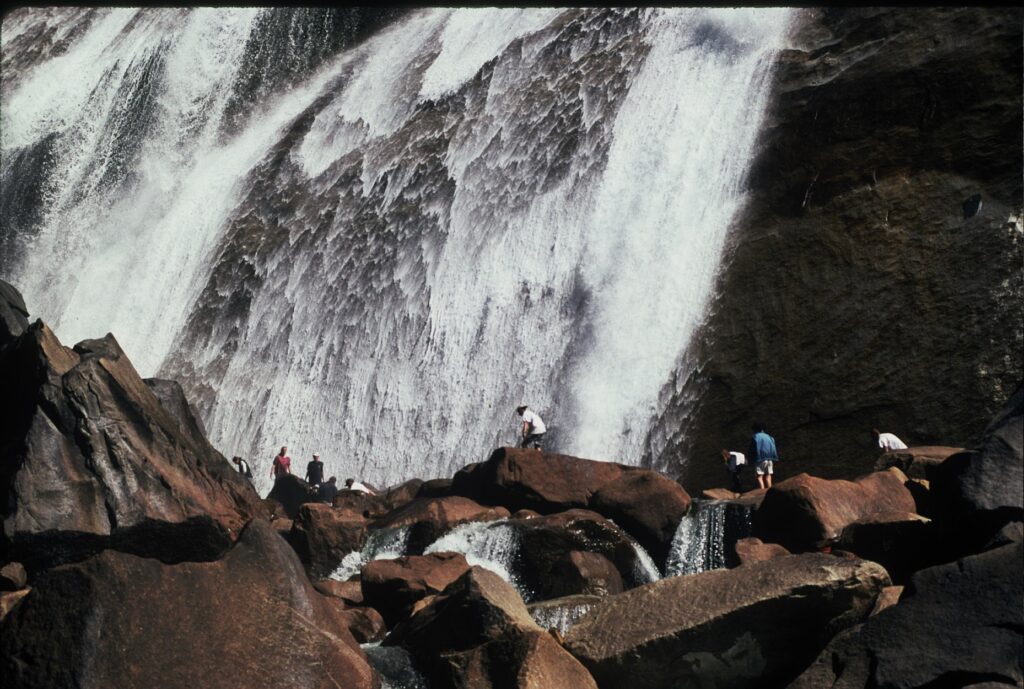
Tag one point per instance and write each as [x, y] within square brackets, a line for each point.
[887, 441]
[734, 463]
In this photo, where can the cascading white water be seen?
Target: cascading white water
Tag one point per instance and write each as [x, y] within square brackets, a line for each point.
[491, 545]
[560, 616]
[706, 535]
[381, 544]
[472, 209]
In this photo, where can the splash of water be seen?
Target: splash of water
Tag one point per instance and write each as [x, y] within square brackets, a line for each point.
[706, 536]
[491, 545]
[381, 544]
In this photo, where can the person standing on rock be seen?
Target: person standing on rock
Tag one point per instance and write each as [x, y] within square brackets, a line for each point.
[243, 467]
[315, 472]
[762, 451]
[734, 463]
[533, 429]
[887, 441]
[281, 465]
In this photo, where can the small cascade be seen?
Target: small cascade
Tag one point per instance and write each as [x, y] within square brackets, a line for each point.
[562, 613]
[381, 544]
[491, 545]
[706, 536]
[395, 667]
[645, 570]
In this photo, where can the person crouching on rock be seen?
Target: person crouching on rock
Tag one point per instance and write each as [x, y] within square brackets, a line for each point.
[533, 427]
[887, 441]
[762, 450]
[328, 491]
[243, 467]
[315, 472]
[352, 484]
[734, 463]
[281, 465]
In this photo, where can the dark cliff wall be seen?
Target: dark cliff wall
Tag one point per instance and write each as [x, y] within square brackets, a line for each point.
[863, 287]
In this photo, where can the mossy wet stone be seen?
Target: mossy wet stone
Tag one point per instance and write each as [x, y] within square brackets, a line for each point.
[754, 626]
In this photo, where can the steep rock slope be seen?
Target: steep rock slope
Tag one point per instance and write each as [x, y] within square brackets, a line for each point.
[874, 279]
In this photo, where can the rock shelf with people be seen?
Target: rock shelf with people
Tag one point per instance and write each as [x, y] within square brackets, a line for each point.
[118, 508]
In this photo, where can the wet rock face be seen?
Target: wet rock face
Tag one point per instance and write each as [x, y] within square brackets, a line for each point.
[956, 625]
[394, 586]
[322, 536]
[754, 626]
[93, 460]
[250, 619]
[854, 293]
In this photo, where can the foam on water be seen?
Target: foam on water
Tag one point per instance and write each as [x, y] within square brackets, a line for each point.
[491, 545]
[381, 544]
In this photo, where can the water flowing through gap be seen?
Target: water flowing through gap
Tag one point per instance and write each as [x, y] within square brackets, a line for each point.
[706, 537]
[471, 209]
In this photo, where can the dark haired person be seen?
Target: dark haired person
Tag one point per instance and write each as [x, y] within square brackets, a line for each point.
[352, 484]
[328, 491]
[734, 463]
[315, 471]
[281, 465]
[763, 454]
[887, 441]
[243, 467]
[533, 429]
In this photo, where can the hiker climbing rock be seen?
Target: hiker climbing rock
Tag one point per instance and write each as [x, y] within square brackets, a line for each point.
[533, 428]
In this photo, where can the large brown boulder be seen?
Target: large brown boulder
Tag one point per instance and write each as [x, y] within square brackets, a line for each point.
[394, 586]
[93, 460]
[645, 503]
[478, 633]
[804, 512]
[13, 314]
[573, 552]
[430, 518]
[250, 619]
[915, 461]
[754, 626]
[360, 504]
[322, 536]
[902, 542]
[751, 549]
[956, 624]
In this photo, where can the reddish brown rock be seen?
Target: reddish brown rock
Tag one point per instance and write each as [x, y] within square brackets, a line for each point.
[365, 624]
[478, 633]
[718, 494]
[804, 512]
[250, 619]
[291, 492]
[645, 503]
[93, 460]
[899, 541]
[889, 597]
[430, 518]
[914, 461]
[573, 552]
[752, 626]
[393, 586]
[360, 505]
[350, 592]
[322, 535]
[752, 549]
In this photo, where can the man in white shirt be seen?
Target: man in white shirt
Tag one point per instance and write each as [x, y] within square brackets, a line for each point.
[533, 427]
[887, 441]
[734, 462]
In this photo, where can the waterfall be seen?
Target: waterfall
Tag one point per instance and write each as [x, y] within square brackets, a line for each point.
[381, 544]
[378, 256]
[492, 545]
[706, 537]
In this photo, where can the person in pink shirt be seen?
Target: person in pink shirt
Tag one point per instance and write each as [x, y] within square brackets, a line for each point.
[282, 464]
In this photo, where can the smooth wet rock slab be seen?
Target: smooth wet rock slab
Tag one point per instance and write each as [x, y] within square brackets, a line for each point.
[117, 620]
[754, 626]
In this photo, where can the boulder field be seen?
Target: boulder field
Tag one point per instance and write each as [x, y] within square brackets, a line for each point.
[135, 556]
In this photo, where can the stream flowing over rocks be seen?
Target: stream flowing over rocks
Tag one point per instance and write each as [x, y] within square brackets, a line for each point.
[372, 233]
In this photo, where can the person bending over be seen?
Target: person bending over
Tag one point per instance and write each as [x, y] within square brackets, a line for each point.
[533, 428]
[887, 441]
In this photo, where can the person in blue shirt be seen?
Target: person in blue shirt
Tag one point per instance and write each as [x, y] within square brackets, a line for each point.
[763, 454]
